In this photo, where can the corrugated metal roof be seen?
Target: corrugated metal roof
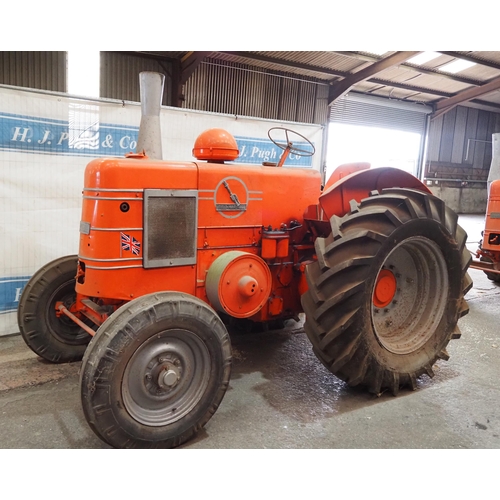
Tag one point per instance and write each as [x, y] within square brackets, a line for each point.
[426, 83]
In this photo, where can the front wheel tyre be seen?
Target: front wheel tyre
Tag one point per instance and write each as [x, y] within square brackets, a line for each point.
[491, 276]
[155, 372]
[387, 290]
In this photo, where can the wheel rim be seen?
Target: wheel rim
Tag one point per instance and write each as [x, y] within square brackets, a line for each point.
[409, 295]
[166, 377]
[62, 327]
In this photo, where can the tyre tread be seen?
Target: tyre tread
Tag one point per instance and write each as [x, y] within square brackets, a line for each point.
[332, 303]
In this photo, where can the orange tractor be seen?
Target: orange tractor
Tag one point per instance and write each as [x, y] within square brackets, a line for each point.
[170, 252]
[489, 246]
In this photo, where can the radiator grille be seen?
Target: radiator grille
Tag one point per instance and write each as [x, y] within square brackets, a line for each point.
[170, 223]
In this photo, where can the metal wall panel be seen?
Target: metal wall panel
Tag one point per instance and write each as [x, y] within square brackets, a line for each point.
[36, 70]
[492, 129]
[288, 100]
[306, 102]
[120, 75]
[470, 133]
[434, 140]
[460, 144]
[446, 144]
[365, 111]
[481, 139]
[458, 147]
[226, 87]
[322, 110]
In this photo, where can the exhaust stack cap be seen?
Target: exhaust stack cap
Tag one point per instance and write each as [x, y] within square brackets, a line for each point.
[149, 140]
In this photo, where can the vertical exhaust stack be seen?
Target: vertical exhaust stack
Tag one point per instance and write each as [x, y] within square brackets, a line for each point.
[149, 141]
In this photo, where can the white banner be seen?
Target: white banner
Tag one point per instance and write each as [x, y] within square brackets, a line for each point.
[47, 139]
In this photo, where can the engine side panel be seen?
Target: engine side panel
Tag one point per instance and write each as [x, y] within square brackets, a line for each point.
[231, 205]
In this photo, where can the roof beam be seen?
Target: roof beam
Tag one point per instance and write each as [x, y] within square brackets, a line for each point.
[339, 89]
[472, 59]
[446, 105]
[416, 68]
[343, 74]
[182, 69]
[190, 62]
[411, 88]
[292, 64]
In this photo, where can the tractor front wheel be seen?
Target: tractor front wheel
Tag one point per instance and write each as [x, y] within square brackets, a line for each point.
[491, 276]
[387, 290]
[54, 337]
[155, 372]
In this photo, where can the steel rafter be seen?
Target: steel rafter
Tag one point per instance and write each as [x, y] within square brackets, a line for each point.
[190, 62]
[343, 74]
[340, 88]
[446, 105]
[291, 64]
[416, 68]
[472, 59]
[182, 69]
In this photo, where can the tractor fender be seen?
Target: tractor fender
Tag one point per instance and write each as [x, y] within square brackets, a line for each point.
[335, 198]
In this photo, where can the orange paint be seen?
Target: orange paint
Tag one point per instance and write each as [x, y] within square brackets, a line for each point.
[356, 186]
[270, 215]
[491, 236]
[385, 288]
[235, 205]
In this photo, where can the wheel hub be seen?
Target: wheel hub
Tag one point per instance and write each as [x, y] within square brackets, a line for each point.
[385, 289]
[166, 377]
[410, 295]
[163, 373]
[169, 377]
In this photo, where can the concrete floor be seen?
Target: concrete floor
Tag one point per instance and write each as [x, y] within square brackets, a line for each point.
[281, 396]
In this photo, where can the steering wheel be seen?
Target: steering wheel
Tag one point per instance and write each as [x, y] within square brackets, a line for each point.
[289, 144]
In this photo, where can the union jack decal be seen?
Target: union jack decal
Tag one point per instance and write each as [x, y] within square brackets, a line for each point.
[130, 243]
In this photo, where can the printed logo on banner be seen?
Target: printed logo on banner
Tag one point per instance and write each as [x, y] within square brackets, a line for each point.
[86, 136]
[83, 137]
[255, 151]
[10, 292]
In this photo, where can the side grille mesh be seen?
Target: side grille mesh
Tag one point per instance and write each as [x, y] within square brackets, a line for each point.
[170, 224]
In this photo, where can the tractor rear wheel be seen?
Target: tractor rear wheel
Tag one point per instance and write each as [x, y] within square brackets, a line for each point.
[387, 290]
[155, 372]
[53, 337]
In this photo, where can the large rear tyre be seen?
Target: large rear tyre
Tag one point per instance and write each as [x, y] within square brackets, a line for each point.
[54, 337]
[155, 372]
[387, 290]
